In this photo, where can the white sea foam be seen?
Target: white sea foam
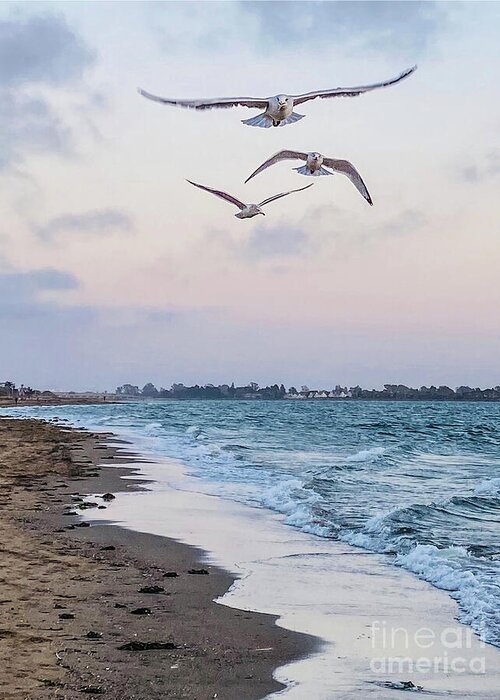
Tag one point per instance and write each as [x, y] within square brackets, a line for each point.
[375, 534]
[195, 432]
[153, 429]
[295, 502]
[490, 487]
[444, 569]
[367, 455]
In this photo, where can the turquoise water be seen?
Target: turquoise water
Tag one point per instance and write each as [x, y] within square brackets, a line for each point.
[417, 481]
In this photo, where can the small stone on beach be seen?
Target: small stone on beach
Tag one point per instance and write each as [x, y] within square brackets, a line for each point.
[151, 589]
[141, 611]
[147, 646]
[200, 572]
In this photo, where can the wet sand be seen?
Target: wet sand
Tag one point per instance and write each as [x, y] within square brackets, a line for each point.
[68, 593]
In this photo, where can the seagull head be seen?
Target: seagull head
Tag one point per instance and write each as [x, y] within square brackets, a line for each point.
[316, 156]
[282, 100]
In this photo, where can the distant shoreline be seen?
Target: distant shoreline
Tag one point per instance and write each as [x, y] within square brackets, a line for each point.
[139, 399]
[10, 403]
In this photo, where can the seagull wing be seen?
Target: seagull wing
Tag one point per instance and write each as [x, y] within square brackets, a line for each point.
[221, 102]
[222, 195]
[284, 194]
[348, 169]
[281, 155]
[350, 91]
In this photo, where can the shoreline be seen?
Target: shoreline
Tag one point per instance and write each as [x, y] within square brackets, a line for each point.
[59, 567]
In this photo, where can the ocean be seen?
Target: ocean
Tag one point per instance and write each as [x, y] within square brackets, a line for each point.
[417, 482]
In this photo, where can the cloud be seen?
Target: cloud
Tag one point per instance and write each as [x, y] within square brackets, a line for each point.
[49, 344]
[99, 221]
[41, 49]
[274, 242]
[20, 291]
[383, 26]
[388, 26]
[36, 52]
[404, 223]
[485, 168]
[28, 125]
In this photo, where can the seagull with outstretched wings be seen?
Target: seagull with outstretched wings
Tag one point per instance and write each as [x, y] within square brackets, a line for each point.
[246, 210]
[316, 164]
[278, 110]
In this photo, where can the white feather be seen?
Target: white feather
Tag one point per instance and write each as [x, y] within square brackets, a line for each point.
[294, 117]
[261, 120]
[304, 170]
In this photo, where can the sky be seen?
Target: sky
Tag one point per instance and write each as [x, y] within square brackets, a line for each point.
[113, 269]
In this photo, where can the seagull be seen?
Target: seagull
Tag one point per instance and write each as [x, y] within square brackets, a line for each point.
[314, 166]
[278, 109]
[247, 210]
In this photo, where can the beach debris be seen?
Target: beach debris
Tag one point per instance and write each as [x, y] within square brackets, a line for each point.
[402, 685]
[120, 605]
[141, 611]
[70, 512]
[87, 504]
[82, 525]
[199, 572]
[102, 507]
[108, 497]
[151, 589]
[66, 616]
[49, 683]
[147, 646]
[92, 689]
[108, 548]
[58, 606]
[170, 574]
[93, 635]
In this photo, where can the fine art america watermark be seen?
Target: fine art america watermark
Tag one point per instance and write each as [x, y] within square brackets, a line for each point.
[425, 651]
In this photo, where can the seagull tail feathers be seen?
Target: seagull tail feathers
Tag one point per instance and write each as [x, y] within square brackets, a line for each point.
[261, 120]
[304, 170]
[294, 117]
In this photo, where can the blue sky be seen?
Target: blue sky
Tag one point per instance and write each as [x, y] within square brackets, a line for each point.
[113, 269]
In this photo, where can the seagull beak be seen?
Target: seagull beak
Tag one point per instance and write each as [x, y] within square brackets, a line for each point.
[261, 212]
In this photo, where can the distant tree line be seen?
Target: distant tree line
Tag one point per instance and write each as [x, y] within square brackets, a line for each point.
[9, 390]
[278, 391]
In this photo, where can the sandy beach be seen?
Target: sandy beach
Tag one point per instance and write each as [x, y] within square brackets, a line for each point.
[78, 604]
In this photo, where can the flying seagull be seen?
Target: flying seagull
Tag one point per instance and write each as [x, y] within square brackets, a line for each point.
[314, 166]
[247, 210]
[278, 109]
